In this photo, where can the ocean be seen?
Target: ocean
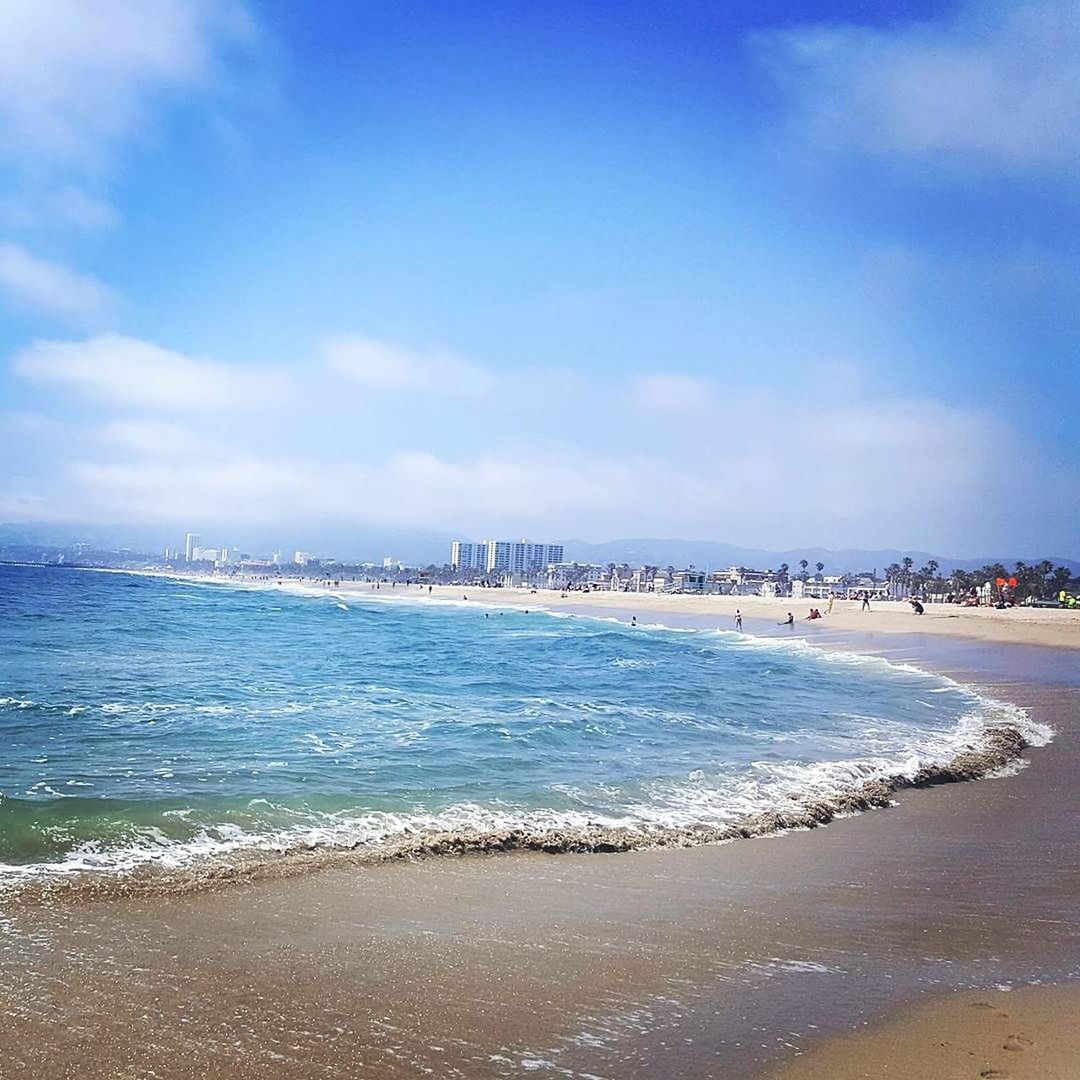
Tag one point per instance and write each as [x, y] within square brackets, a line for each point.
[152, 726]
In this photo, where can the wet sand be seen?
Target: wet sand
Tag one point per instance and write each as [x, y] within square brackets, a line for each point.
[1052, 627]
[1045, 627]
[718, 961]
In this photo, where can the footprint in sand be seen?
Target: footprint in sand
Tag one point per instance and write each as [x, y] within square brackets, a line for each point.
[990, 1007]
[1018, 1042]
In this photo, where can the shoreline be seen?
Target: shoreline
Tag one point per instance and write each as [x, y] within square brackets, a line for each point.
[249, 866]
[723, 961]
[999, 746]
[729, 960]
[1043, 627]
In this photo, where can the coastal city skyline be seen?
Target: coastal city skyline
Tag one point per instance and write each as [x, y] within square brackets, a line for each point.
[258, 269]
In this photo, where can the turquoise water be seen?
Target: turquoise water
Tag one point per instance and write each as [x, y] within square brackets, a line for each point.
[153, 720]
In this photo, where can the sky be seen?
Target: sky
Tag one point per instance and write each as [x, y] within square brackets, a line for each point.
[773, 274]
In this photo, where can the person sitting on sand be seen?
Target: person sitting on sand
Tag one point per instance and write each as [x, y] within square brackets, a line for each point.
[916, 606]
[789, 621]
[814, 613]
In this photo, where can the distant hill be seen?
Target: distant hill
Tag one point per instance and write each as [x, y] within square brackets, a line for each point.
[715, 555]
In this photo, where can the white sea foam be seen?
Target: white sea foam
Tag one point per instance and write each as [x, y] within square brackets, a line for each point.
[666, 808]
[696, 802]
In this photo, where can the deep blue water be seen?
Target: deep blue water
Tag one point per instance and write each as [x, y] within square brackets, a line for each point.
[144, 718]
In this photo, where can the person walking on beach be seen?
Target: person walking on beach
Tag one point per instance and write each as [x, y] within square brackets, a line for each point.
[738, 620]
[828, 610]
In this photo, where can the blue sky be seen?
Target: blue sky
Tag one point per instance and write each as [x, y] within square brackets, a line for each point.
[770, 273]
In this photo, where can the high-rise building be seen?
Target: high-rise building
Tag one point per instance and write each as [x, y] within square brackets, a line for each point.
[506, 556]
[466, 556]
[192, 543]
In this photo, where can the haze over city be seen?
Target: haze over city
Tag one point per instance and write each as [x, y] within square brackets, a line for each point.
[579, 271]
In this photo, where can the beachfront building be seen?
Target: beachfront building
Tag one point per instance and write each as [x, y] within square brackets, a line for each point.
[743, 581]
[192, 542]
[504, 556]
[468, 556]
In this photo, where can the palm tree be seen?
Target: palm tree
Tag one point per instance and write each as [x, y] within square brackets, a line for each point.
[803, 564]
[819, 567]
[1060, 580]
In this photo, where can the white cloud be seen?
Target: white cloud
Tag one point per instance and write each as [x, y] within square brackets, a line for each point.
[671, 393]
[247, 490]
[751, 467]
[156, 438]
[67, 207]
[881, 473]
[50, 286]
[75, 77]
[383, 366]
[995, 85]
[128, 372]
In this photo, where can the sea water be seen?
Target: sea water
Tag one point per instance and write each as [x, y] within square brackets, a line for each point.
[147, 720]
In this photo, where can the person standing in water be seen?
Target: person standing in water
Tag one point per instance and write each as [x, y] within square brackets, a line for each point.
[738, 620]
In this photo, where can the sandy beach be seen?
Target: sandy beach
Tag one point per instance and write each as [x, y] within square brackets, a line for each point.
[1029, 1032]
[852, 950]
[1019, 626]
[718, 961]
[1047, 627]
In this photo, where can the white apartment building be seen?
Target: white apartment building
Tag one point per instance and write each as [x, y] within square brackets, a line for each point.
[192, 542]
[466, 556]
[508, 556]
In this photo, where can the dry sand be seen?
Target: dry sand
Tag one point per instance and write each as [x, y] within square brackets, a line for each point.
[1029, 1034]
[713, 962]
[1048, 627]
[1028, 626]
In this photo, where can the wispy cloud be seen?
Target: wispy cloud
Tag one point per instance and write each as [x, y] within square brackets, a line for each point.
[51, 287]
[679, 454]
[75, 77]
[380, 365]
[65, 207]
[148, 438]
[667, 392]
[127, 372]
[994, 86]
